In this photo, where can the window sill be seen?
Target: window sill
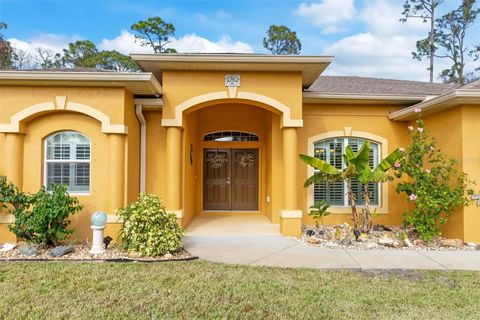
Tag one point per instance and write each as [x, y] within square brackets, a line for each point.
[348, 210]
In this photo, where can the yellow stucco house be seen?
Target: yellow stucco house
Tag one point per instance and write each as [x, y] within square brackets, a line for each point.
[221, 133]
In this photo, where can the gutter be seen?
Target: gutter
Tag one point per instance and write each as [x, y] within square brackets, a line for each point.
[143, 145]
[445, 101]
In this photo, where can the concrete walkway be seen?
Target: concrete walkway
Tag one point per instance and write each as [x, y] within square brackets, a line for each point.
[274, 250]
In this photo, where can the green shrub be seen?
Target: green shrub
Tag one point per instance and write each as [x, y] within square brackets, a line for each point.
[43, 217]
[148, 229]
[434, 187]
[319, 210]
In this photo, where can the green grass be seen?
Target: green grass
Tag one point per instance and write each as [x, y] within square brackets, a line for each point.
[200, 290]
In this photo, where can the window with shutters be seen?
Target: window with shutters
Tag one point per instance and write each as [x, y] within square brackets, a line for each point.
[331, 151]
[67, 161]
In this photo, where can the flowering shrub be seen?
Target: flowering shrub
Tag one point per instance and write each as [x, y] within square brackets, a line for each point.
[148, 229]
[434, 188]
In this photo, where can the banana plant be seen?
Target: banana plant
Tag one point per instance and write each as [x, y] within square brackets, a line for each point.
[366, 175]
[356, 166]
[327, 172]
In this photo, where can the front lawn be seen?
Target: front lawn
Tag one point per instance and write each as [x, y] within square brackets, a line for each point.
[188, 290]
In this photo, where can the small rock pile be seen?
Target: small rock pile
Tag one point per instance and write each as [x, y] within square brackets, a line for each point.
[381, 237]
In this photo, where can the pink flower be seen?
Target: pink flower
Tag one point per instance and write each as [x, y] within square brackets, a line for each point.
[413, 197]
[418, 110]
[396, 164]
[417, 165]
[410, 128]
[401, 149]
[420, 129]
[427, 170]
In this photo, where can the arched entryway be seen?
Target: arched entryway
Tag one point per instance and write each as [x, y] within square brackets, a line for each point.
[251, 177]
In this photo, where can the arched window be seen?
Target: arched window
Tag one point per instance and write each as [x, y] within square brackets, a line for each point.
[67, 161]
[331, 151]
[227, 136]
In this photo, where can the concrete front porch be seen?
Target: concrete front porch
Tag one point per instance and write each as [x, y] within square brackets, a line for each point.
[231, 224]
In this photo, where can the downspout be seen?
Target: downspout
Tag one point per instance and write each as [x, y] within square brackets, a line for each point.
[143, 145]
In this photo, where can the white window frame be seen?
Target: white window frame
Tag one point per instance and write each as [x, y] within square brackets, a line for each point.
[344, 146]
[46, 161]
[348, 132]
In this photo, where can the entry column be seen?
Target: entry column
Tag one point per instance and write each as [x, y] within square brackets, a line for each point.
[290, 217]
[173, 200]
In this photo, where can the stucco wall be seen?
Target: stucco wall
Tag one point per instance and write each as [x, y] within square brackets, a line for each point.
[116, 104]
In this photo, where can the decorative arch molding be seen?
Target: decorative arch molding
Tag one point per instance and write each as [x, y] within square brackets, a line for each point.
[17, 120]
[287, 120]
[348, 132]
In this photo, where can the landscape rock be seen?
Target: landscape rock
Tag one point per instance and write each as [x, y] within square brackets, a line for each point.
[407, 243]
[7, 247]
[346, 242]
[28, 250]
[419, 243]
[331, 244]
[313, 240]
[168, 256]
[452, 243]
[372, 245]
[61, 251]
[388, 242]
[378, 228]
[471, 244]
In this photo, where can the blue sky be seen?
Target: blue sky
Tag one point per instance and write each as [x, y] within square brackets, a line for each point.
[364, 35]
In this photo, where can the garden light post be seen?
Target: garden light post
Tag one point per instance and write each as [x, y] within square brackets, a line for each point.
[98, 225]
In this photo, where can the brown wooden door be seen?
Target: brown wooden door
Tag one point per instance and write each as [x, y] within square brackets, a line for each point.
[230, 179]
[244, 174]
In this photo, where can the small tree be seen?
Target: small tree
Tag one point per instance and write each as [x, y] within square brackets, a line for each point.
[282, 40]
[154, 32]
[81, 54]
[434, 186]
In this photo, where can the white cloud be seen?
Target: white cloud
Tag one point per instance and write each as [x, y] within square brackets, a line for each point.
[328, 14]
[54, 42]
[126, 44]
[384, 49]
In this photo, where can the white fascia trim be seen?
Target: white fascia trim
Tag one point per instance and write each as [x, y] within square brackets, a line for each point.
[312, 96]
[148, 77]
[434, 103]
[240, 58]
[291, 214]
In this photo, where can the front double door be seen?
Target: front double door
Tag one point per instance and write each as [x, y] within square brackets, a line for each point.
[230, 179]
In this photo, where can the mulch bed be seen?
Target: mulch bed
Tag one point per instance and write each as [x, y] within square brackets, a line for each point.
[114, 253]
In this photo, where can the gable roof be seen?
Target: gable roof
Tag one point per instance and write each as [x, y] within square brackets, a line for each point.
[377, 86]
[472, 85]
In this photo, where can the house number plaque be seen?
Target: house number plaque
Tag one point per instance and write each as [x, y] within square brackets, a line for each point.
[232, 80]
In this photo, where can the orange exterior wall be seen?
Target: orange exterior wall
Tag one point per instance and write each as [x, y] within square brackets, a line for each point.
[116, 103]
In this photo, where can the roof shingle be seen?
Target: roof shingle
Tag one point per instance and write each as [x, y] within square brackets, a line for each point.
[364, 85]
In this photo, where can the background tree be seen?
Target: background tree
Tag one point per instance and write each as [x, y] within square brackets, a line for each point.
[451, 38]
[154, 32]
[6, 50]
[114, 60]
[425, 10]
[47, 58]
[22, 59]
[81, 54]
[282, 40]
